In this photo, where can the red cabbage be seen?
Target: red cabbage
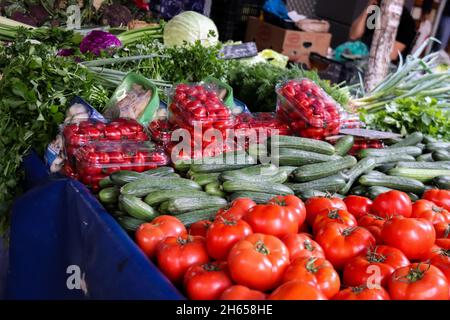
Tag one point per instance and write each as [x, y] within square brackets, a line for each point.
[97, 41]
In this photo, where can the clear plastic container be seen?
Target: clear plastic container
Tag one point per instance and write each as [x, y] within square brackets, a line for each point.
[266, 121]
[160, 131]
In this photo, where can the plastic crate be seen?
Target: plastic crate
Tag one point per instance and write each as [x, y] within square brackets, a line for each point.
[231, 17]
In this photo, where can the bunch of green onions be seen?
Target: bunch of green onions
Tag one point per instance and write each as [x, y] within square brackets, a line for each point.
[9, 28]
[136, 35]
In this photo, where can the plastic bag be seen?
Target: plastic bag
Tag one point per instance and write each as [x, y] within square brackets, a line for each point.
[277, 8]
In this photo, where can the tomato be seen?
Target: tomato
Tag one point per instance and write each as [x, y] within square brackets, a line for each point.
[141, 136]
[140, 161]
[428, 210]
[362, 293]
[414, 237]
[418, 281]
[116, 157]
[238, 292]
[332, 215]
[341, 243]
[443, 243]
[441, 260]
[315, 271]
[442, 230]
[91, 132]
[199, 228]
[176, 254]
[293, 204]
[297, 290]
[112, 133]
[237, 209]
[392, 203]
[149, 235]
[357, 205]
[223, 234]
[380, 261]
[207, 281]
[374, 224]
[301, 245]
[258, 261]
[272, 219]
[440, 197]
[316, 204]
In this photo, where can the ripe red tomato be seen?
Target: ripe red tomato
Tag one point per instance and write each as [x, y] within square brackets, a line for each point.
[297, 290]
[112, 133]
[332, 215]
[441, 260]
[237, 209]
[176, 254]
[199, 228]
[293, 204]
[440, 197]
[149, 235]
[357, 205]
[428, 210]
[414, 237]
[442, 230]
[443, 243]
[258, 261]
[315, 271]
[316, 204]
[392, 203]
[362, 293]
[374, 224]
[418, 281]
[376, 264]
[238, 292]
[341, 243]
[271, 219]
[301, 245]
[207, 281]
[223, 234]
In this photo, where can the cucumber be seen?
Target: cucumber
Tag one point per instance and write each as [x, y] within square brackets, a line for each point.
[182, 165]
[214, 189]
[259, 152]
[435, 146]
[191, 217]
[329, 184]
[421, 146]
[325, 169]
[426, 157]
[423, 175]
[160, 172]
[375, 173]
[393, 158]
[373, 192]
[258, 197]
[160, 196]
[256, 170]
[106, 182]
[275, 188]
[442, 182]
[124, 176]
[118, 213]
[186, 204]
[343, 145]
[305, 144]
[363, 166]
[293, 157]
[137, 208]
[278, 177]
[412, 151]
[109, 195]
[224, 162]
[441, 155]
[164, 207]
[398, 183]
[384, 168]
[288, 169]
[359, 190]
[414, 197]
[205, 178]
[140, 188]
[130, 224]
[429, 139]
[410, 140]
[315, 193]
[425, 165]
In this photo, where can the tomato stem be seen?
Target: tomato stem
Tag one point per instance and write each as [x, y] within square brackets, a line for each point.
[261, 247]
[311, 266]
[308, 245]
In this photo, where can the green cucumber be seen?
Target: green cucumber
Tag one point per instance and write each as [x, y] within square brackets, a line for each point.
[425, 165]
[441, 155]
[259, 152]
[293, 157]
[278, 177]
[398, 183]
[410, 140]
[186, 204]
[305, 195]
[429, 139]
[373, 192]
[130, 224]
[106, 182]
[164, 207]
[109, 195]
[140, 188]
[288, 169]
[329, 184]
[256, 170]
[275, 188]
[384, 168]
[208, 168]
[412, 151]
[423, 175]
[414, 197]
[205, 178]
[325, 169]
[118, 213]
[442, 182]
[214, 189]
[124, 176]
[182, 165]
[434, 146]
[375, 173]
[344, 145]
[299, 143]
[359, 190]
[426, 157]
[137, 208]
[191, 217]
[363, 166]
[160, 196]
[160, 172]
[258, 197]
[393, 158]
[421, 146]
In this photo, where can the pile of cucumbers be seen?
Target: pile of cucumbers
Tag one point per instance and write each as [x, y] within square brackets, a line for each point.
[300, 166]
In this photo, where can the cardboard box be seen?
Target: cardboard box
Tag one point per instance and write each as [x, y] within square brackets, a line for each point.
[297, 45]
